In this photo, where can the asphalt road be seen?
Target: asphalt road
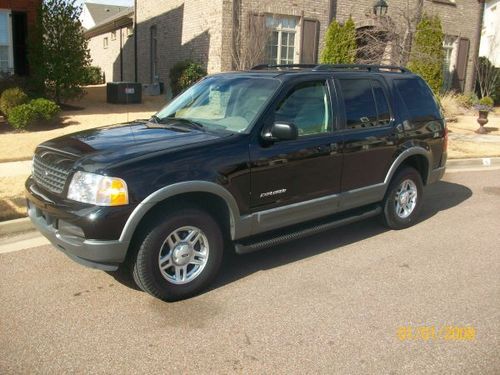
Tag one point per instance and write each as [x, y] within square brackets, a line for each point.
[332, 303]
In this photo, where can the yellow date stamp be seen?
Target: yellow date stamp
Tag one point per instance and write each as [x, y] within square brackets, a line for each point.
[436, 333]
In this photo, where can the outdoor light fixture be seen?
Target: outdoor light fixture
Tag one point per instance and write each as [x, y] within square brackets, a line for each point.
[380, 8]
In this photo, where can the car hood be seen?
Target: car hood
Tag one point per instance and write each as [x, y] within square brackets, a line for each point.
[102, 147]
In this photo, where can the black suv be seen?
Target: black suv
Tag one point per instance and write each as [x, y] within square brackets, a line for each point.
[248, 159]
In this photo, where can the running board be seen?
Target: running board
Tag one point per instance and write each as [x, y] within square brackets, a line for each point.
[262, 243]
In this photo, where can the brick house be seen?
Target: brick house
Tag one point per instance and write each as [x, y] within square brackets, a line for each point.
[168, 31]
[17, 19]
[110, 45]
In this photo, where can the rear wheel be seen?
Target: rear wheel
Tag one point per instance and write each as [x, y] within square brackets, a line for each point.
[403, 200]
[180, 255]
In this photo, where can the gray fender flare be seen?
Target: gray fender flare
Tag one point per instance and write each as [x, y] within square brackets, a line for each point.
[417, 150]
[175, 189]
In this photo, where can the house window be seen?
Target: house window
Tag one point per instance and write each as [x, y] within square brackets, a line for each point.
[5, 43]
[449, 46]
[282, 40]
[105, 42]
[113, 35]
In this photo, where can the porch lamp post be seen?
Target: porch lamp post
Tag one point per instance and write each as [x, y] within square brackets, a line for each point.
[380, 8]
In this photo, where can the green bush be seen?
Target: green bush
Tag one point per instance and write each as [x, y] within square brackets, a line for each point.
[486, 101]
[22, 116]
[184, 74]
[93, 76]
[12, 98]
[45, 109]
[427, 54]
[340, 43]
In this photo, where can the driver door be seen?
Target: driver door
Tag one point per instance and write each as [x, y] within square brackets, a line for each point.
[302, 170]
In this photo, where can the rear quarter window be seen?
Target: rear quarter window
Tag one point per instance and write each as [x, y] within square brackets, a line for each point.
[419, 99]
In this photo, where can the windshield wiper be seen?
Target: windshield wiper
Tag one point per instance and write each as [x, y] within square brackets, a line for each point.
[186, 121]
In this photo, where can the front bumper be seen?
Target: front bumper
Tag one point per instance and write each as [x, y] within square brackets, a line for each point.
[101, 254]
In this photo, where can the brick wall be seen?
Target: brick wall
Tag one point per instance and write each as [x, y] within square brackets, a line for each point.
[203, 29]
[459, 19]
[108, 59]
[190, 29]
[28, 6]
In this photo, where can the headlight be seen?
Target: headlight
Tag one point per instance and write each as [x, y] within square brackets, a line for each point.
[98, 190]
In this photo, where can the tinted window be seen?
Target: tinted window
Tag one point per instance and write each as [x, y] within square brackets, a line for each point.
[418, 98]
[307, 106]
[384, 114]
[360, 108]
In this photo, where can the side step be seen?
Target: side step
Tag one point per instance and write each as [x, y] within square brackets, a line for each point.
[250, 245]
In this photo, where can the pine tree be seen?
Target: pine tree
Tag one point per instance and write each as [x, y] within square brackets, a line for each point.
[340, 43]
[427, 56]
[59, 55]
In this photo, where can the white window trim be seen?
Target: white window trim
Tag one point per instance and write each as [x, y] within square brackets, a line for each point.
[11, 42]
[280, 29]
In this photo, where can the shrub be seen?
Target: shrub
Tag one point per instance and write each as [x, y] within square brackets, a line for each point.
[487, 101]
[467, 100]
[340, 43]
[93, 76]
[427, 54]
[22, 116]
[11, 98]
[45, 109]
[184, 74]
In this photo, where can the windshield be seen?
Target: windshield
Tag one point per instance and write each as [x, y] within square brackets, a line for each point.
[222, 102]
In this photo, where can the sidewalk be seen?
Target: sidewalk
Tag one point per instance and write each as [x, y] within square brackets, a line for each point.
[15, 168]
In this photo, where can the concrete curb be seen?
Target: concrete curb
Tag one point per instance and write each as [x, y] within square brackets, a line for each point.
[472, 163]
[16, 226]
[24, 224]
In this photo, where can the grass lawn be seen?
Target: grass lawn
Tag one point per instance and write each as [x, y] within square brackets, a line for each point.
[12, 203]
[95, 112]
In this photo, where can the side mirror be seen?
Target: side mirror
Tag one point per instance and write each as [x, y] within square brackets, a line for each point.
[281, 131]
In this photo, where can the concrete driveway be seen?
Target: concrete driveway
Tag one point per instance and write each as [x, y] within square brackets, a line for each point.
[332, 303]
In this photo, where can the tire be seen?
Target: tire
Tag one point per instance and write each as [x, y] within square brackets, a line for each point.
[184, 236]
[400, 206]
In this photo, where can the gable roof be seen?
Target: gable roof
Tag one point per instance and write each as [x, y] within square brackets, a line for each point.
[100, 12]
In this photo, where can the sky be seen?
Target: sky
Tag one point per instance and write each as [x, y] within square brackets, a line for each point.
[110, 2]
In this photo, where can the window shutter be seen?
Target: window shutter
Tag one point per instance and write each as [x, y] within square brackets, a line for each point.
[309, 42]
[462, 59]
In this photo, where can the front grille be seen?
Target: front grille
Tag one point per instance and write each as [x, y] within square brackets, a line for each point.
[49, 174]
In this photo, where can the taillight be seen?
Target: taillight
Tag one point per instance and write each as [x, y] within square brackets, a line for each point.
[445, 140]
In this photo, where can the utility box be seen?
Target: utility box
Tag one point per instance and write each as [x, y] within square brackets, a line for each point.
[124, 92]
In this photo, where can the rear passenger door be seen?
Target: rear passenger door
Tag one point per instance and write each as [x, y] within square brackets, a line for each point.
[368, 133]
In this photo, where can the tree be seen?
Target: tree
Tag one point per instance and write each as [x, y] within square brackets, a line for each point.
[59, 56]
[427, 54]
[389, 39]
[340, 43]
[250, 41]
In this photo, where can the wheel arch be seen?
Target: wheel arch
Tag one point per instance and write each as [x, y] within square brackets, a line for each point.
[206, 195]
[416, 157]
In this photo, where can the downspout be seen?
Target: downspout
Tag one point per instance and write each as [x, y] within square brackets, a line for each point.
[135, 41]
[121, 54]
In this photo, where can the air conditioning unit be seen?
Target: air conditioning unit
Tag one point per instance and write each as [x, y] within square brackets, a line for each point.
[124, 92]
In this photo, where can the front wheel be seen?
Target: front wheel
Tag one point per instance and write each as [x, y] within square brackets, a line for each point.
[180, 255]
[403, 200]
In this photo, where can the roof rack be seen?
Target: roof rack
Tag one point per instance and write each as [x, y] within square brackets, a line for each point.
[284, 66]
[327, 67]
[364, 67]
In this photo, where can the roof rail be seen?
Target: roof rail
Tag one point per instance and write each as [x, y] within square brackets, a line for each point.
[326, 67]
[369, 68]
[283, 66]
